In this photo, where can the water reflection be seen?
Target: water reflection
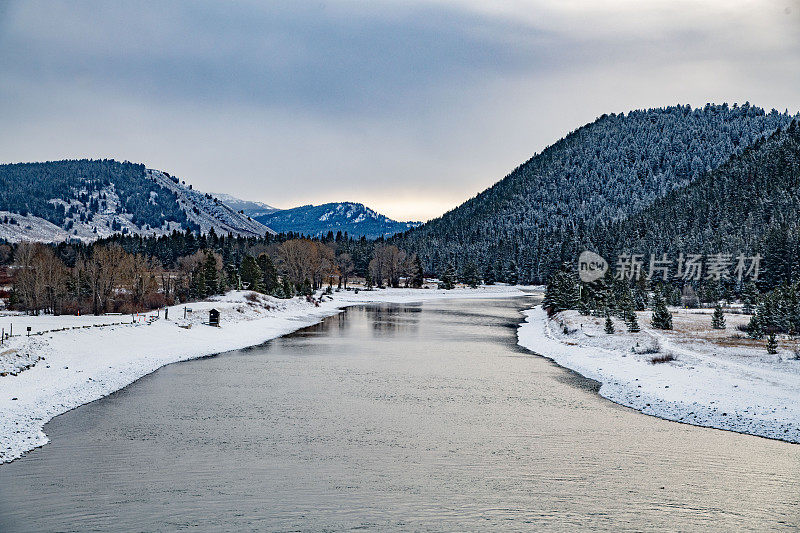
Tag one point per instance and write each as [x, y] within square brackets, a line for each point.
[392, 319]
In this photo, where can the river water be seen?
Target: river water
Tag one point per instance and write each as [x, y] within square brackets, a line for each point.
[392, 417]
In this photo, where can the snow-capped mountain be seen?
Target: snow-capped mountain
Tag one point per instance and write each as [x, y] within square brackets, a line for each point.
[90, 199]
[355, 219]
[247, 207]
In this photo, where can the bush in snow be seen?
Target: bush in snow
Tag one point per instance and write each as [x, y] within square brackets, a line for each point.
[663, 358]
[653, 347]
[772, 344]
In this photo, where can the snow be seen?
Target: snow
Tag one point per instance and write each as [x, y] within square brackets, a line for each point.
[738, 388]
[211, 213]
[30, 228]
[90, 360]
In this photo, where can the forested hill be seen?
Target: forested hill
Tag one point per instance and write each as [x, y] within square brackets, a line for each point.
[524, 225]
[355, 219]
[751, 204]
[87, 199]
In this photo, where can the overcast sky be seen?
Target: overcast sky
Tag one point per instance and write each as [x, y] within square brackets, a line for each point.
[410, 107]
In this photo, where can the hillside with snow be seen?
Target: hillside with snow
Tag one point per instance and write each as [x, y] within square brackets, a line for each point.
[355, 219]
[248, 207]
[207, 211]
[90, 199]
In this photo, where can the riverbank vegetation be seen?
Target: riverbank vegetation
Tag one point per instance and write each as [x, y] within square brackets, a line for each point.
[134, 273]
[770, 314]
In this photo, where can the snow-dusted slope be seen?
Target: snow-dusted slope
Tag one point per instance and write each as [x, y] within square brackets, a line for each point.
[82, 222]
[248, 207]
[208, 211]
[93, 212]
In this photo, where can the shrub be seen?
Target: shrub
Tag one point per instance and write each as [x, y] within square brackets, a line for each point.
[662, 358]
[251, 296]
[653, 347]
[772, 344]
[154, 300]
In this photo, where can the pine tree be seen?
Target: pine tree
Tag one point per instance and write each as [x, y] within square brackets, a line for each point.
[662, 318]
[632, 322]
[718, 318]
[640, 294]
[417, 274]
[198, 288]
[609, 325]
[305, 288]
[210, 274]
[755, 328]
[287, 289]
[488, 275]
[251, 273]
[269, 274]
[749, 298]
[772, 344]
[561, 292]
[469, 275]
[448, 278]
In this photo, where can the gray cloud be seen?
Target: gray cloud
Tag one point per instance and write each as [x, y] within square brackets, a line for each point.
[411, 107]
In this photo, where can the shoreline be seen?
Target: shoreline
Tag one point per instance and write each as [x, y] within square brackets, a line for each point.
[77, 367]
[696, 389]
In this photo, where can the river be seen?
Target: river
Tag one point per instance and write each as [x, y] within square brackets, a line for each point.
[390, 417]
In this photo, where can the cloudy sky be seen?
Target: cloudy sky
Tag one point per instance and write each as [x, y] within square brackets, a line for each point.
[408, 106]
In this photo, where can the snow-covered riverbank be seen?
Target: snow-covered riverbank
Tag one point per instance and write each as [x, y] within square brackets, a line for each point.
[709, 384]
[83, 363]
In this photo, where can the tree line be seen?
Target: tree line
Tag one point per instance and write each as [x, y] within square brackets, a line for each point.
[131, 273]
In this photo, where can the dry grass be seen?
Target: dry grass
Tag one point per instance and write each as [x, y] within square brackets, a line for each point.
[662, 358]
[252, 297]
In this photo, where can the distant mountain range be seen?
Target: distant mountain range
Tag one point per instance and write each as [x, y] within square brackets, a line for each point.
[352, 218]
[88, 199]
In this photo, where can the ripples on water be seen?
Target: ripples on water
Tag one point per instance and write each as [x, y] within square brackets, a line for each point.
[412, 417]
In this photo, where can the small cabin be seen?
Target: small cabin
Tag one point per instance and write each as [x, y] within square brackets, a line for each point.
[213, 318]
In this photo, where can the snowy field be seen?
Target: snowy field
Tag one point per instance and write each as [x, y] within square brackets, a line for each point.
[717, 378]
[51, 373]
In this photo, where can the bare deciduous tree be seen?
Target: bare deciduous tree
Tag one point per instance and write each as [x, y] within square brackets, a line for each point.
[346, 268]
[105, 271]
